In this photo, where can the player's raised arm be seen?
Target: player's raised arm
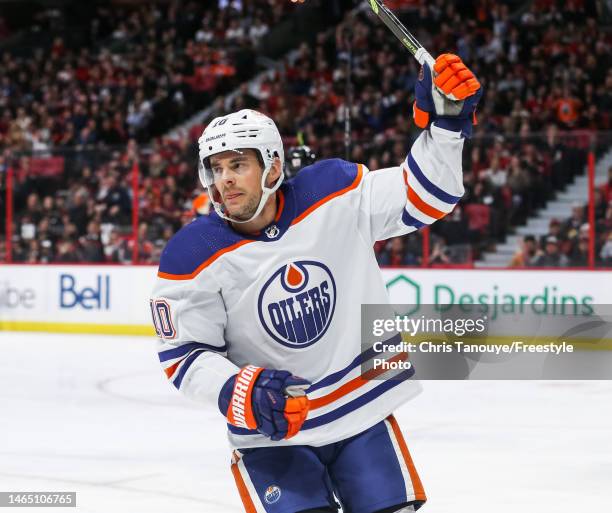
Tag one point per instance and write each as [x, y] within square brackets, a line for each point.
[429, 183]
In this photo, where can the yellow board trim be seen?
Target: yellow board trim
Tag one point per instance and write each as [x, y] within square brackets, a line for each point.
[78, 327]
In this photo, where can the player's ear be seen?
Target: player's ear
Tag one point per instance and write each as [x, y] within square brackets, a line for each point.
[275, 172]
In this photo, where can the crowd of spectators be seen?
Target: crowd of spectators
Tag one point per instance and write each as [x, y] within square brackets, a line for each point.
[87, 215]
[533, 134]
[566, 244]
[538, 79]
[144, 68]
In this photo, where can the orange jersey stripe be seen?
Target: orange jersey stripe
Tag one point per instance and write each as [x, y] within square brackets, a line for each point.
[281, 205]
[242, 490]
[419, 491]
[204, 265]
[170, 370]
[321, 202]
[416, 200]
[352, 385]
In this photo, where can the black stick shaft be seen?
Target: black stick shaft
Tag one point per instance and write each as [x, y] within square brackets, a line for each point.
[401, 32]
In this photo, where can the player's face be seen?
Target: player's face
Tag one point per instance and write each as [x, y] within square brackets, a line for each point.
[238, 180]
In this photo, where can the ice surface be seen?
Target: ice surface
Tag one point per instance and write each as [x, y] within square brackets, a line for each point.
[95, 414]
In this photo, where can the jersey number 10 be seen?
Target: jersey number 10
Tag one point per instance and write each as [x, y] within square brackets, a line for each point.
[162, 320]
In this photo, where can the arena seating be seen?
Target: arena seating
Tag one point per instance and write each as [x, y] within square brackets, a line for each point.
[547, 89]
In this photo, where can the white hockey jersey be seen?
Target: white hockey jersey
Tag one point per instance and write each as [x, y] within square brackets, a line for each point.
[290, 297]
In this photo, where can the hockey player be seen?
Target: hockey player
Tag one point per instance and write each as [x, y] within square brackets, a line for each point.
[269, 287]
[298, 157]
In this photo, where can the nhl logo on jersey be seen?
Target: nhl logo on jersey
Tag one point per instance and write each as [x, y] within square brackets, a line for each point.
[297, 303]
[272, 232]
[272, 494]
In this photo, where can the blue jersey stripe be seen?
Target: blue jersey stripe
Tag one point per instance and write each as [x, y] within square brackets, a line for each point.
[177, 352]
[186, 364]
[431, 188]
[345, 409]
[358, 402]
[408, 220]
[338, 375]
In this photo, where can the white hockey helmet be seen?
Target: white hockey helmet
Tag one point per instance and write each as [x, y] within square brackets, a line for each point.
[245, 129]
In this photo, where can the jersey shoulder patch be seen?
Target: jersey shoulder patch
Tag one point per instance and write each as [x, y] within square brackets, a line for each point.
[324, 180]
[195, 246]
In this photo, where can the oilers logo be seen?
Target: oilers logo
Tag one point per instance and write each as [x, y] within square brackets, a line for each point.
[272, 494]
[297, 303]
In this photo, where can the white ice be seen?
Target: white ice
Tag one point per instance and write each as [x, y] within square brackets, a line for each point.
[96, 415]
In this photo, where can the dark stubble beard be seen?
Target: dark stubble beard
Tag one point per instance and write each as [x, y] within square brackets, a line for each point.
[248, 210]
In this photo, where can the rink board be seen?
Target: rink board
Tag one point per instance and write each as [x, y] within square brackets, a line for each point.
[115, 299]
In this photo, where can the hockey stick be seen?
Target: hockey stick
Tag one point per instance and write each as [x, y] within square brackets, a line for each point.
[401, 32]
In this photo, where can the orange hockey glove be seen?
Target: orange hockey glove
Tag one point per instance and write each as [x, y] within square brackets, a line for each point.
[448, 96]
[454, 78]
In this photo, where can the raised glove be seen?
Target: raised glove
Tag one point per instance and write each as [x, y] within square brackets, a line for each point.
[448, 96]
[271, 401]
